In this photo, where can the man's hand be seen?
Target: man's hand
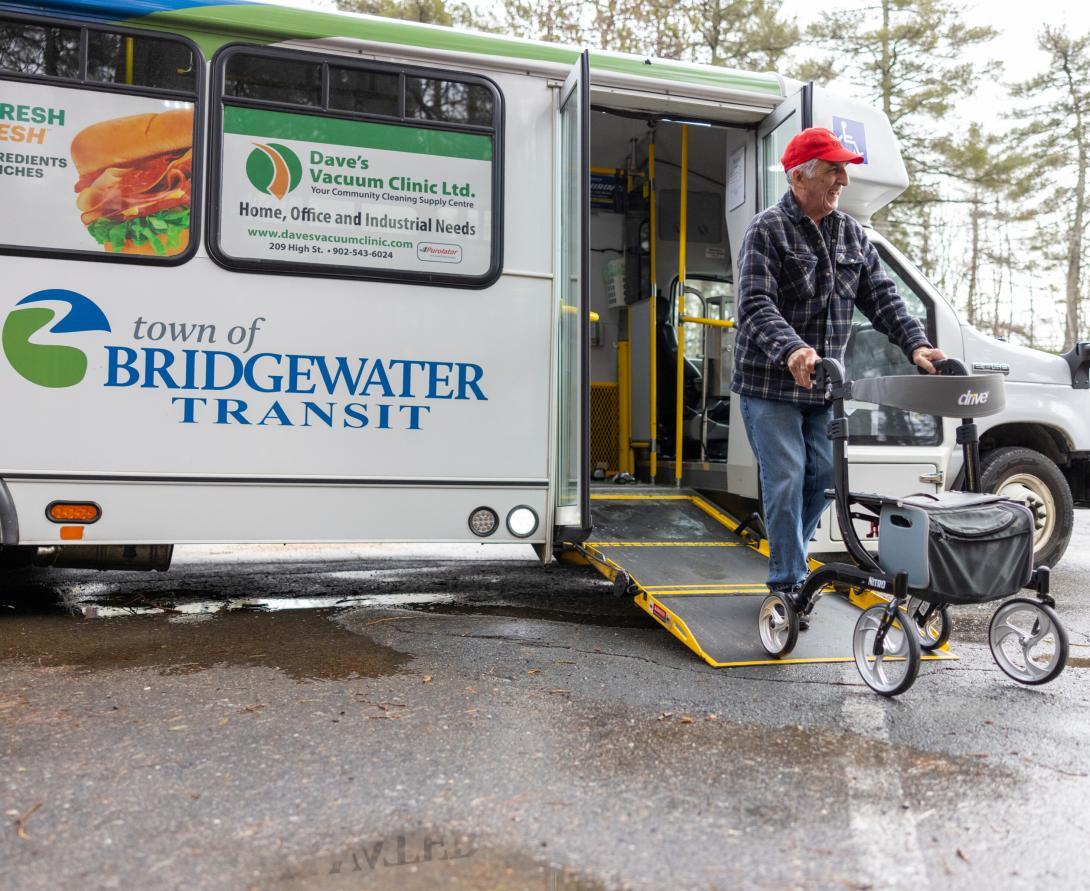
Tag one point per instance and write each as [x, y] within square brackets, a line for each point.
[802, 364]
[925, 356]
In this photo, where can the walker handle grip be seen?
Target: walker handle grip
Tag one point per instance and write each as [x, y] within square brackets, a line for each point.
[950, 367]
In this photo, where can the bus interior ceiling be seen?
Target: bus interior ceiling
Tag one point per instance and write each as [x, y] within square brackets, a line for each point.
[620, 289]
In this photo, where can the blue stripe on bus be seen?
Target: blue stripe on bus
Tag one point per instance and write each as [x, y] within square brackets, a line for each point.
[112, 10]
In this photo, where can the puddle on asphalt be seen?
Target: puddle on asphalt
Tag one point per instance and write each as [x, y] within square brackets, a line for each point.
[420, 861]
[739, 749]
[634, 618]
[305, 645]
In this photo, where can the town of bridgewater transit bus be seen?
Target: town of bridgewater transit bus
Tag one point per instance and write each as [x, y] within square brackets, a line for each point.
[281, 275]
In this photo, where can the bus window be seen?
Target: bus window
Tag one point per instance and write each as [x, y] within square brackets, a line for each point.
[359, 170]
[364, 92]
[445, 100]
[97, 146]
[140, 61]
[34, 49]
[273, 80]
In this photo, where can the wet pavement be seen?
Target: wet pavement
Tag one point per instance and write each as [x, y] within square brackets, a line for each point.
[456, 717]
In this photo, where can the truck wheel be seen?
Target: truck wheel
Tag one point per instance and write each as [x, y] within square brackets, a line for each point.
[1026, 475]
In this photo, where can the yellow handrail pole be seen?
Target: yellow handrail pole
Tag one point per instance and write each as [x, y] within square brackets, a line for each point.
[629, 454]
[678, 449]
[652, 434]
[623, 412]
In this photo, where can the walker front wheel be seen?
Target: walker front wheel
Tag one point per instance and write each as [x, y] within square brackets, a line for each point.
[1028, 642]
[779, 625]
[932, 623]
[890, 666]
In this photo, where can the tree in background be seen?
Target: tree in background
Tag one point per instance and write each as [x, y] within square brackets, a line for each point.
[747, 34]
[1054, 116]
[429, 12]
[908, 58]
[991, 178]
[553, 20]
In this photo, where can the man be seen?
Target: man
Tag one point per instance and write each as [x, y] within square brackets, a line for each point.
[805, 266]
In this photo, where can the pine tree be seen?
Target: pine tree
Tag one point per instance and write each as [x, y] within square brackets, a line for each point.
[1054, 117]
[747, 34]
[990, 175]
[908, 57]
[431, 12]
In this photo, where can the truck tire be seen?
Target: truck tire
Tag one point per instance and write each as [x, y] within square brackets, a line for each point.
[1027, 475]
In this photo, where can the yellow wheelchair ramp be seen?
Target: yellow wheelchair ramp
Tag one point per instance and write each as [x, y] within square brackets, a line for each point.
[702, 581]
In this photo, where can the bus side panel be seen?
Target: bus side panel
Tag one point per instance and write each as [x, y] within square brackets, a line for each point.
[188, 513]
[307, 389]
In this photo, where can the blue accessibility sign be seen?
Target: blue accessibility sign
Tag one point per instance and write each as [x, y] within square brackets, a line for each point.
[852, 135]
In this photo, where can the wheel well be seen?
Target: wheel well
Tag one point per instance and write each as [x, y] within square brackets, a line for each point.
[1047, 440]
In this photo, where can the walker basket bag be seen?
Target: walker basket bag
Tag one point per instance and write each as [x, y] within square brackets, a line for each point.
[959, 547]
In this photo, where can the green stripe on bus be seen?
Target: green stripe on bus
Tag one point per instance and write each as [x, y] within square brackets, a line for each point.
[360, 134]
[271, 24]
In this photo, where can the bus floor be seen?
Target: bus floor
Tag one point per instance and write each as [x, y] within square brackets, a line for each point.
[696, 576]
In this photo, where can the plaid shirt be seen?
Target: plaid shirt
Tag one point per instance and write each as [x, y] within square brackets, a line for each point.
[798, 286]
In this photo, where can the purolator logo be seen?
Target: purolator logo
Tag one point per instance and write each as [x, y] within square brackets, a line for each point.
[50, 364]
[274, 169]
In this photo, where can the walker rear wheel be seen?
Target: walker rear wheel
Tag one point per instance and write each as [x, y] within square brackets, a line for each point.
[933, 630]
[1028, 642]
[779, 626]
[891, 668]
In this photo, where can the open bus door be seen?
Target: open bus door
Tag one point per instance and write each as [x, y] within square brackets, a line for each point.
[571, 492]
[762, 169]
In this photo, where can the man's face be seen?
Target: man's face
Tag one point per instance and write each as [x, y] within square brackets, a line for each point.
[819, 194]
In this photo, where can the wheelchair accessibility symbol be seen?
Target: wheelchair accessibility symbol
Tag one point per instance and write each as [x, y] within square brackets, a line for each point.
[852, 135]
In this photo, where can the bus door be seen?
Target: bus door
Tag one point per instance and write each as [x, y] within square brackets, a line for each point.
[571, 442]
[754, 183]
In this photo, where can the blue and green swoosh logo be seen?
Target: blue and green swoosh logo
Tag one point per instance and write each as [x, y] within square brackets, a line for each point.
[50, 364]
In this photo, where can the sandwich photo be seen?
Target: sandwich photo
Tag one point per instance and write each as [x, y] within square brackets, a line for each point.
[135, 180]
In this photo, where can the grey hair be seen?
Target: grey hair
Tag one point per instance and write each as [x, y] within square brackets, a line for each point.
[806, 168]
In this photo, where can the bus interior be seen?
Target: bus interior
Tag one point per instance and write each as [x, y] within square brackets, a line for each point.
[640, 168]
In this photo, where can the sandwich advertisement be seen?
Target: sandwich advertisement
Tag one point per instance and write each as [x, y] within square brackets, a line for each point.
[309, 189]
[94, 172]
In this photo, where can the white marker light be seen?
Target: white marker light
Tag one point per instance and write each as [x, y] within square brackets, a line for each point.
[522, 522]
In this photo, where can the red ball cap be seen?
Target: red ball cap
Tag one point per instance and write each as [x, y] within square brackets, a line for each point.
[816, 142]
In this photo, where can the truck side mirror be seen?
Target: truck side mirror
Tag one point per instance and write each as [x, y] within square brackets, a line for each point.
[1078, 359]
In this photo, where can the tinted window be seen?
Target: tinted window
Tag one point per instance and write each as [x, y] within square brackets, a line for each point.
[139, 61]
[871, 354]
[447, 100]
[274, 80]
[30, 49]
[364, 92]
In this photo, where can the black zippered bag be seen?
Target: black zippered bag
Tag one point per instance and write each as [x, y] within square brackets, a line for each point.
[979, 547]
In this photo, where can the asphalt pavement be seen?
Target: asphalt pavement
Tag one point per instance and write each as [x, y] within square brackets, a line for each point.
[461, 717]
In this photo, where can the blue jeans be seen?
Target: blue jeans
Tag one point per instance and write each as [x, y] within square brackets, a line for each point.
[795, 462]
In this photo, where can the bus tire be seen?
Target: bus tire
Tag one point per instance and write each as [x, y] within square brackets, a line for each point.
[1026, 475]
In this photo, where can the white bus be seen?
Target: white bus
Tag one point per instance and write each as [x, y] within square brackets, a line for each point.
[275, 275]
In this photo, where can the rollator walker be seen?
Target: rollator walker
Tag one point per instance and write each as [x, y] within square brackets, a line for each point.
[934, 550]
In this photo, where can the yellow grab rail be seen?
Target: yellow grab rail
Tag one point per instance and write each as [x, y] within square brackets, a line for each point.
[568, 308]
[715, 323]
